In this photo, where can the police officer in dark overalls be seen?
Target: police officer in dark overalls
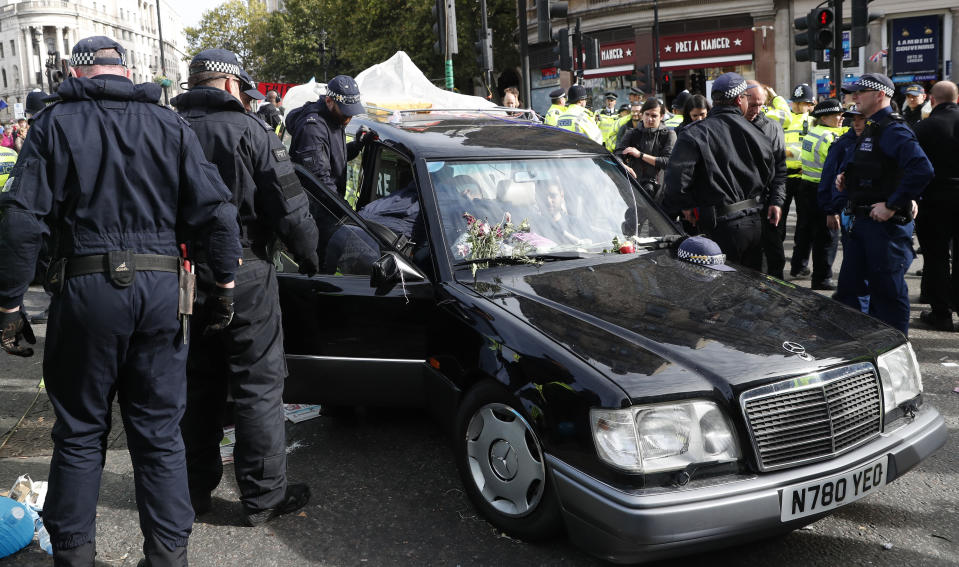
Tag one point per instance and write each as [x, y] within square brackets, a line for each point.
[888, 170]
[721, 175]
[112, 179]
[247, 359]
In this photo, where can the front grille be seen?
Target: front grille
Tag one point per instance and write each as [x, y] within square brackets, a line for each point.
[813, 417]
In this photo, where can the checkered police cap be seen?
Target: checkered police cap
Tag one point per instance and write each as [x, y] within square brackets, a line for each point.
[873, 81]
[729, 86]
[85, 52]
[875, 85]
[702, 251]
[828, 106]
[216, 61]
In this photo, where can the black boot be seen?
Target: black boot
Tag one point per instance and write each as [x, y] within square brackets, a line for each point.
[296, 496]
[80, 556]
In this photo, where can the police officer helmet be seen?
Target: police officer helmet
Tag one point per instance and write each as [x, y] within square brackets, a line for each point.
[803, 93]
[85, 52]
[680, 100]
[577, 93]
[853, 110]
[611, 95]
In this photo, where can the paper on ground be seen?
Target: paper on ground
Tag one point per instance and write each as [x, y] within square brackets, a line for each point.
[227, 444]
[300, 412]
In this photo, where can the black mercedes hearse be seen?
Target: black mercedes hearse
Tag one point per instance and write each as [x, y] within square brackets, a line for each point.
[645, 405]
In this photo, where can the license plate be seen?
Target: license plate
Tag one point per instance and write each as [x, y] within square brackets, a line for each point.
[832, 492]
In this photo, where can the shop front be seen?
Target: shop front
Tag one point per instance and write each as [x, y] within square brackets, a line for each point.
[693, 60]
[916, 50]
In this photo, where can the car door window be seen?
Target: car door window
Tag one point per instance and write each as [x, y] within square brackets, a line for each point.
[344, 247]
[354, 176]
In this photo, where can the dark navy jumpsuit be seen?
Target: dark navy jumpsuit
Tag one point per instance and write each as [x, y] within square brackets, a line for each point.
[887, 165]
[247, 358]
[108, 169]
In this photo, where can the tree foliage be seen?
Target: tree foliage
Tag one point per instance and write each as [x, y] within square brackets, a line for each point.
[236, 25]
[285, 46]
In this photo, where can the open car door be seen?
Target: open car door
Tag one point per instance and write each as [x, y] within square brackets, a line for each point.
[347, 340]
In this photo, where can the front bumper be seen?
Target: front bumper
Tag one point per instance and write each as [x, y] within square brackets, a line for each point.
[635, 526]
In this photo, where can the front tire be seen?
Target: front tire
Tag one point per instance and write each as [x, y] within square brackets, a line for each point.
[502, 467]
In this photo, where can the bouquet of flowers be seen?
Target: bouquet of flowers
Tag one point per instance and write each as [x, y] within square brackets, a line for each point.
[484, 240]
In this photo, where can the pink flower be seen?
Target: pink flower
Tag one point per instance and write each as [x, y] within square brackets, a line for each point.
[470, 219]
[499, 232]
[483, 229]
[508, 218]
[462, 250]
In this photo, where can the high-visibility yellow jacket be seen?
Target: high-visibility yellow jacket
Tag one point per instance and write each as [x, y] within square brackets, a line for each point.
[815, 146]
[579, 119]
[673, 121]
[553, 113]
[796, 128]
[608, 125]
[778, 110]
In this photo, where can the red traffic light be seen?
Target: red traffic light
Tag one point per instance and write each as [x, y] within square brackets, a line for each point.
[824, 17]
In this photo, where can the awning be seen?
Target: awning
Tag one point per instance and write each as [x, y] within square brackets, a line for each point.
[700, 62]
[608, 71]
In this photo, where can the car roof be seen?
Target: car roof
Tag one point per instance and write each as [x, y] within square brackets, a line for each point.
[439, 135]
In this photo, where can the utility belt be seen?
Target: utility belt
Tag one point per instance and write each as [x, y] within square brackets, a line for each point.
[863, 211]
[708, 217]
[120, 265]
[248, 255]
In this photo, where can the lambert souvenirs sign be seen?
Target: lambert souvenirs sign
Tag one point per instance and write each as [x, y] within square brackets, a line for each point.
[915, 45]
[705, 44]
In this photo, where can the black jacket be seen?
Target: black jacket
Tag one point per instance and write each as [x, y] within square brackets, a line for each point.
[939, 137]
[773, 131]
[107, 168]
[257, 169]
[912, 116]
[319, 144]
[719, 161]
[270, 114]
[658, 142]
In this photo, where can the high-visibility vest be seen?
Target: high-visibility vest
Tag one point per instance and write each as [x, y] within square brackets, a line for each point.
[553, 113]
[8, 159]
[778, 110]
[673, 121]
[815, 146]
[580, 120]
[797, 127]
[608, 125]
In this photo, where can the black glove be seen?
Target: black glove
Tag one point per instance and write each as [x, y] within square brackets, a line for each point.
[14, 327]
[219, 308]
[311, 265]
[366, 136]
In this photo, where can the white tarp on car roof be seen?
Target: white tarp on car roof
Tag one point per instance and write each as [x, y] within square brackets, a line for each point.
[396, 82]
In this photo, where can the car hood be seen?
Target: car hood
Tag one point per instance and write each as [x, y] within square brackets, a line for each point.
[662, 327]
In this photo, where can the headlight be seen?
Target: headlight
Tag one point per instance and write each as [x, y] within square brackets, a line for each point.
[899, 373]
[665, 437]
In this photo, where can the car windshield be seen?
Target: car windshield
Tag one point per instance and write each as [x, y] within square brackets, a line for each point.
[505, 208]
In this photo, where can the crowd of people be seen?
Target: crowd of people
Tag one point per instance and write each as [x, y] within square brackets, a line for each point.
[857, 172]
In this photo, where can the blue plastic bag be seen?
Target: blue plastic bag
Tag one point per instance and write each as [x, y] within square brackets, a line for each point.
[16, 526]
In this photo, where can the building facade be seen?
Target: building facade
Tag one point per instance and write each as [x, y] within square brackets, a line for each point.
[37, 35]
[698, 40]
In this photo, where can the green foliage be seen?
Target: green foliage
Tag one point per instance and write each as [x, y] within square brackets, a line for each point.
[285, 46]
[236, 25]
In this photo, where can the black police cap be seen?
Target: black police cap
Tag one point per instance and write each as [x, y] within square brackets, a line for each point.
[249, 86]
[36, 101]
[85, 52]
[216, 60]
[557, 93]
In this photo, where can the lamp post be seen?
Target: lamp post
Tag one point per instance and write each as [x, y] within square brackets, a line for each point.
[166, 99]
[324, 62]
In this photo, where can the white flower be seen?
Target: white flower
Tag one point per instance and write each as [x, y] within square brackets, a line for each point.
[508, 218]
[483, 229]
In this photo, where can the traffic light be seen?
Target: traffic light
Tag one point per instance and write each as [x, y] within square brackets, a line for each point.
[644, 78]
[484, 49]
[439, 26]
[860, 22]
[814, 34]
[820, 28]
[666, 82]
[562, 50]
[592, 53]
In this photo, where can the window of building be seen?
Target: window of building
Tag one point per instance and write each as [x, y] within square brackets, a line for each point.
[4, 78]
[1, 50]
[13, 49]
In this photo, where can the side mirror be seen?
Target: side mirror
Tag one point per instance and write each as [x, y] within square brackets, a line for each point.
[390, 270]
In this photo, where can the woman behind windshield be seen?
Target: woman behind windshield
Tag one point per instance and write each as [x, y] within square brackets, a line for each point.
[695, 109]
[646, 149]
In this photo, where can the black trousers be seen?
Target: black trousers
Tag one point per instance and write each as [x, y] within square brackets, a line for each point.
[806, 208]
[936, 226]
[107, 343]
[772, 243]
[740, 240]
[246, 360]
[824, 243]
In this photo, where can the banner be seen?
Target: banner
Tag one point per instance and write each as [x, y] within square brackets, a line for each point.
[915, 45]
[280, 88]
